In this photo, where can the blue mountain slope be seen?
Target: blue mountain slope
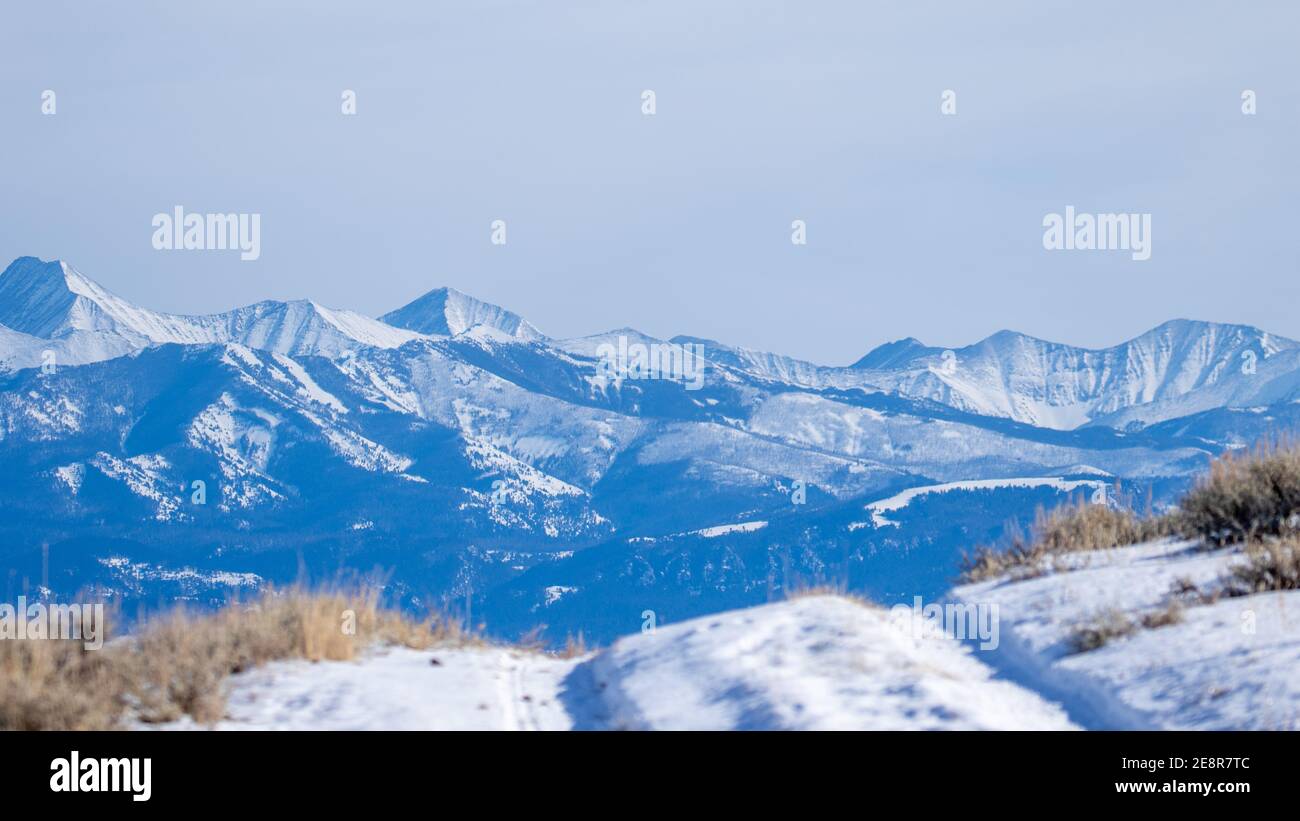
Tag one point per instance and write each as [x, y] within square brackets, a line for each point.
[467, 460]
[609, 589]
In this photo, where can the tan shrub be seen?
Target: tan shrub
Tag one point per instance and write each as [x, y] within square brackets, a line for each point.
[1271, 565]
[1246, 495]
[57, 685]
[1108, 625]
[176, 664]
[1070, 528]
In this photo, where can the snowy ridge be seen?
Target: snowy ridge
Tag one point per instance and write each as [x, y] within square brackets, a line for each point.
[52, 299]
[448, 312]
[55, 302]
[1181, 367]
[813, 663]
[589, 346]
[902, 500]
[1230, 665]
[304, 327]
[766, 365]
[1059, 386]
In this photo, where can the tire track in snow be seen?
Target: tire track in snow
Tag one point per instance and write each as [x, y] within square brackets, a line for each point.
[516, 707]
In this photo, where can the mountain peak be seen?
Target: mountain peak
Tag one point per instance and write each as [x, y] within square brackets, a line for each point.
[447, 312]
[36, 296]
[894, 354]
[52, 300]
[1199, 326]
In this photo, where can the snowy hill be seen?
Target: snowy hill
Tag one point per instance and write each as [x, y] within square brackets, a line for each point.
[1229, 663]
[814, 663]
[829, 663]
[817, 662]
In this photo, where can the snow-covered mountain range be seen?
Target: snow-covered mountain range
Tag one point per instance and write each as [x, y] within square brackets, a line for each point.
[1166, 372]
[476, 460]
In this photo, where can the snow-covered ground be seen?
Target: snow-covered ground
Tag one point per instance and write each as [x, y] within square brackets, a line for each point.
[818, 662]
[829, 662]
[471, 688]
[1233, 664]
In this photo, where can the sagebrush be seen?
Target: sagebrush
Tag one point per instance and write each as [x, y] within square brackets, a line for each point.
[1249, 497]
[1067, 529]
[1246, 495]
[1270, 565]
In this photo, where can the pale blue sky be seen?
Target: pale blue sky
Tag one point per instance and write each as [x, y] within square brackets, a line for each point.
[918, 224]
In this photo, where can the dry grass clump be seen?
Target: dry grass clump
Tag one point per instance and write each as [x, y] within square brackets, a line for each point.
[574, 647]
[1171, 613]
[838, 588]
[1097, 527]
[1108, 625]
[1067, 529]
[1271, 565]
[1114, 623]
[1247, 498]
[1252, 499]
[56, 685]
[175, 664]
[534, 641]
[1246, 495]
[1020, 560]
[802, 590]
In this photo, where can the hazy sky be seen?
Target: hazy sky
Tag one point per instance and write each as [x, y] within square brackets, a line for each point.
[919, 224]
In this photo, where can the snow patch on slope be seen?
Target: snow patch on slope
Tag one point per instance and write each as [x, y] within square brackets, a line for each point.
[901, 500]
[145, 476]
